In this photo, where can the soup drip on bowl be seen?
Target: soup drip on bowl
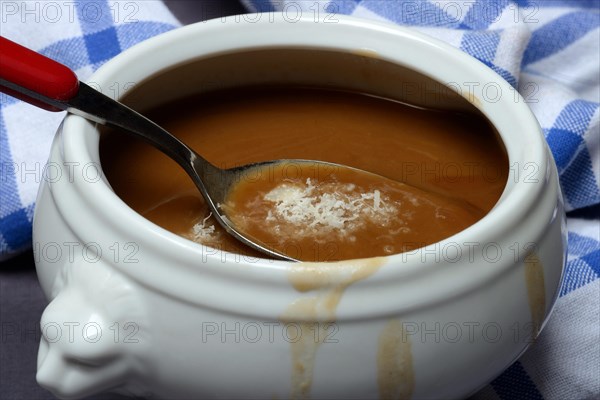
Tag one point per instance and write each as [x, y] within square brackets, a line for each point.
[434, 173]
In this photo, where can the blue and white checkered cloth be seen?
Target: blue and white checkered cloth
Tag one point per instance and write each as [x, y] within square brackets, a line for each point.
[548, 50]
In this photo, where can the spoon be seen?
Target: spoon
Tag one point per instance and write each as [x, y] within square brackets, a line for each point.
[47, 84]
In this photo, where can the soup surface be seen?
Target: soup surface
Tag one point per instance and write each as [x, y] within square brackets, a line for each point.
[444, 171]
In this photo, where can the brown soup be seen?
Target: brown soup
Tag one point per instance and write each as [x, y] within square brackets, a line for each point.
[447, 171]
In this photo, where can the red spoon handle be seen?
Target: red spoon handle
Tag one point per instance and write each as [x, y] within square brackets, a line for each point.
[31, 73]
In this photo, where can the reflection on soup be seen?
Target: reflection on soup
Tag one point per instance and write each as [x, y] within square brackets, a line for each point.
[444, 171]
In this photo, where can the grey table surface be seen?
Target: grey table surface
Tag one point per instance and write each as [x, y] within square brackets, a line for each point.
[21, 299]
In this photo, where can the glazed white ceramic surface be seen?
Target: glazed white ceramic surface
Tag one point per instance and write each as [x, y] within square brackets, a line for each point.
[136, 309]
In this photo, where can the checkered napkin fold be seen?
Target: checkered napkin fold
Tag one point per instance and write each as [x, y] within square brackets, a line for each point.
[548, 50]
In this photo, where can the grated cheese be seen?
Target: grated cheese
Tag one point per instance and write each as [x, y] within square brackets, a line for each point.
[330, 206]
[376, 200]
[202, 231]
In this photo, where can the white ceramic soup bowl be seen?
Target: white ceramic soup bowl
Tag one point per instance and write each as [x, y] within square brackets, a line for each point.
[138, 310]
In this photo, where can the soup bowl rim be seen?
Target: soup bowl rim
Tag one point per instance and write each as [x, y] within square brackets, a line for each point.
[81, 139]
